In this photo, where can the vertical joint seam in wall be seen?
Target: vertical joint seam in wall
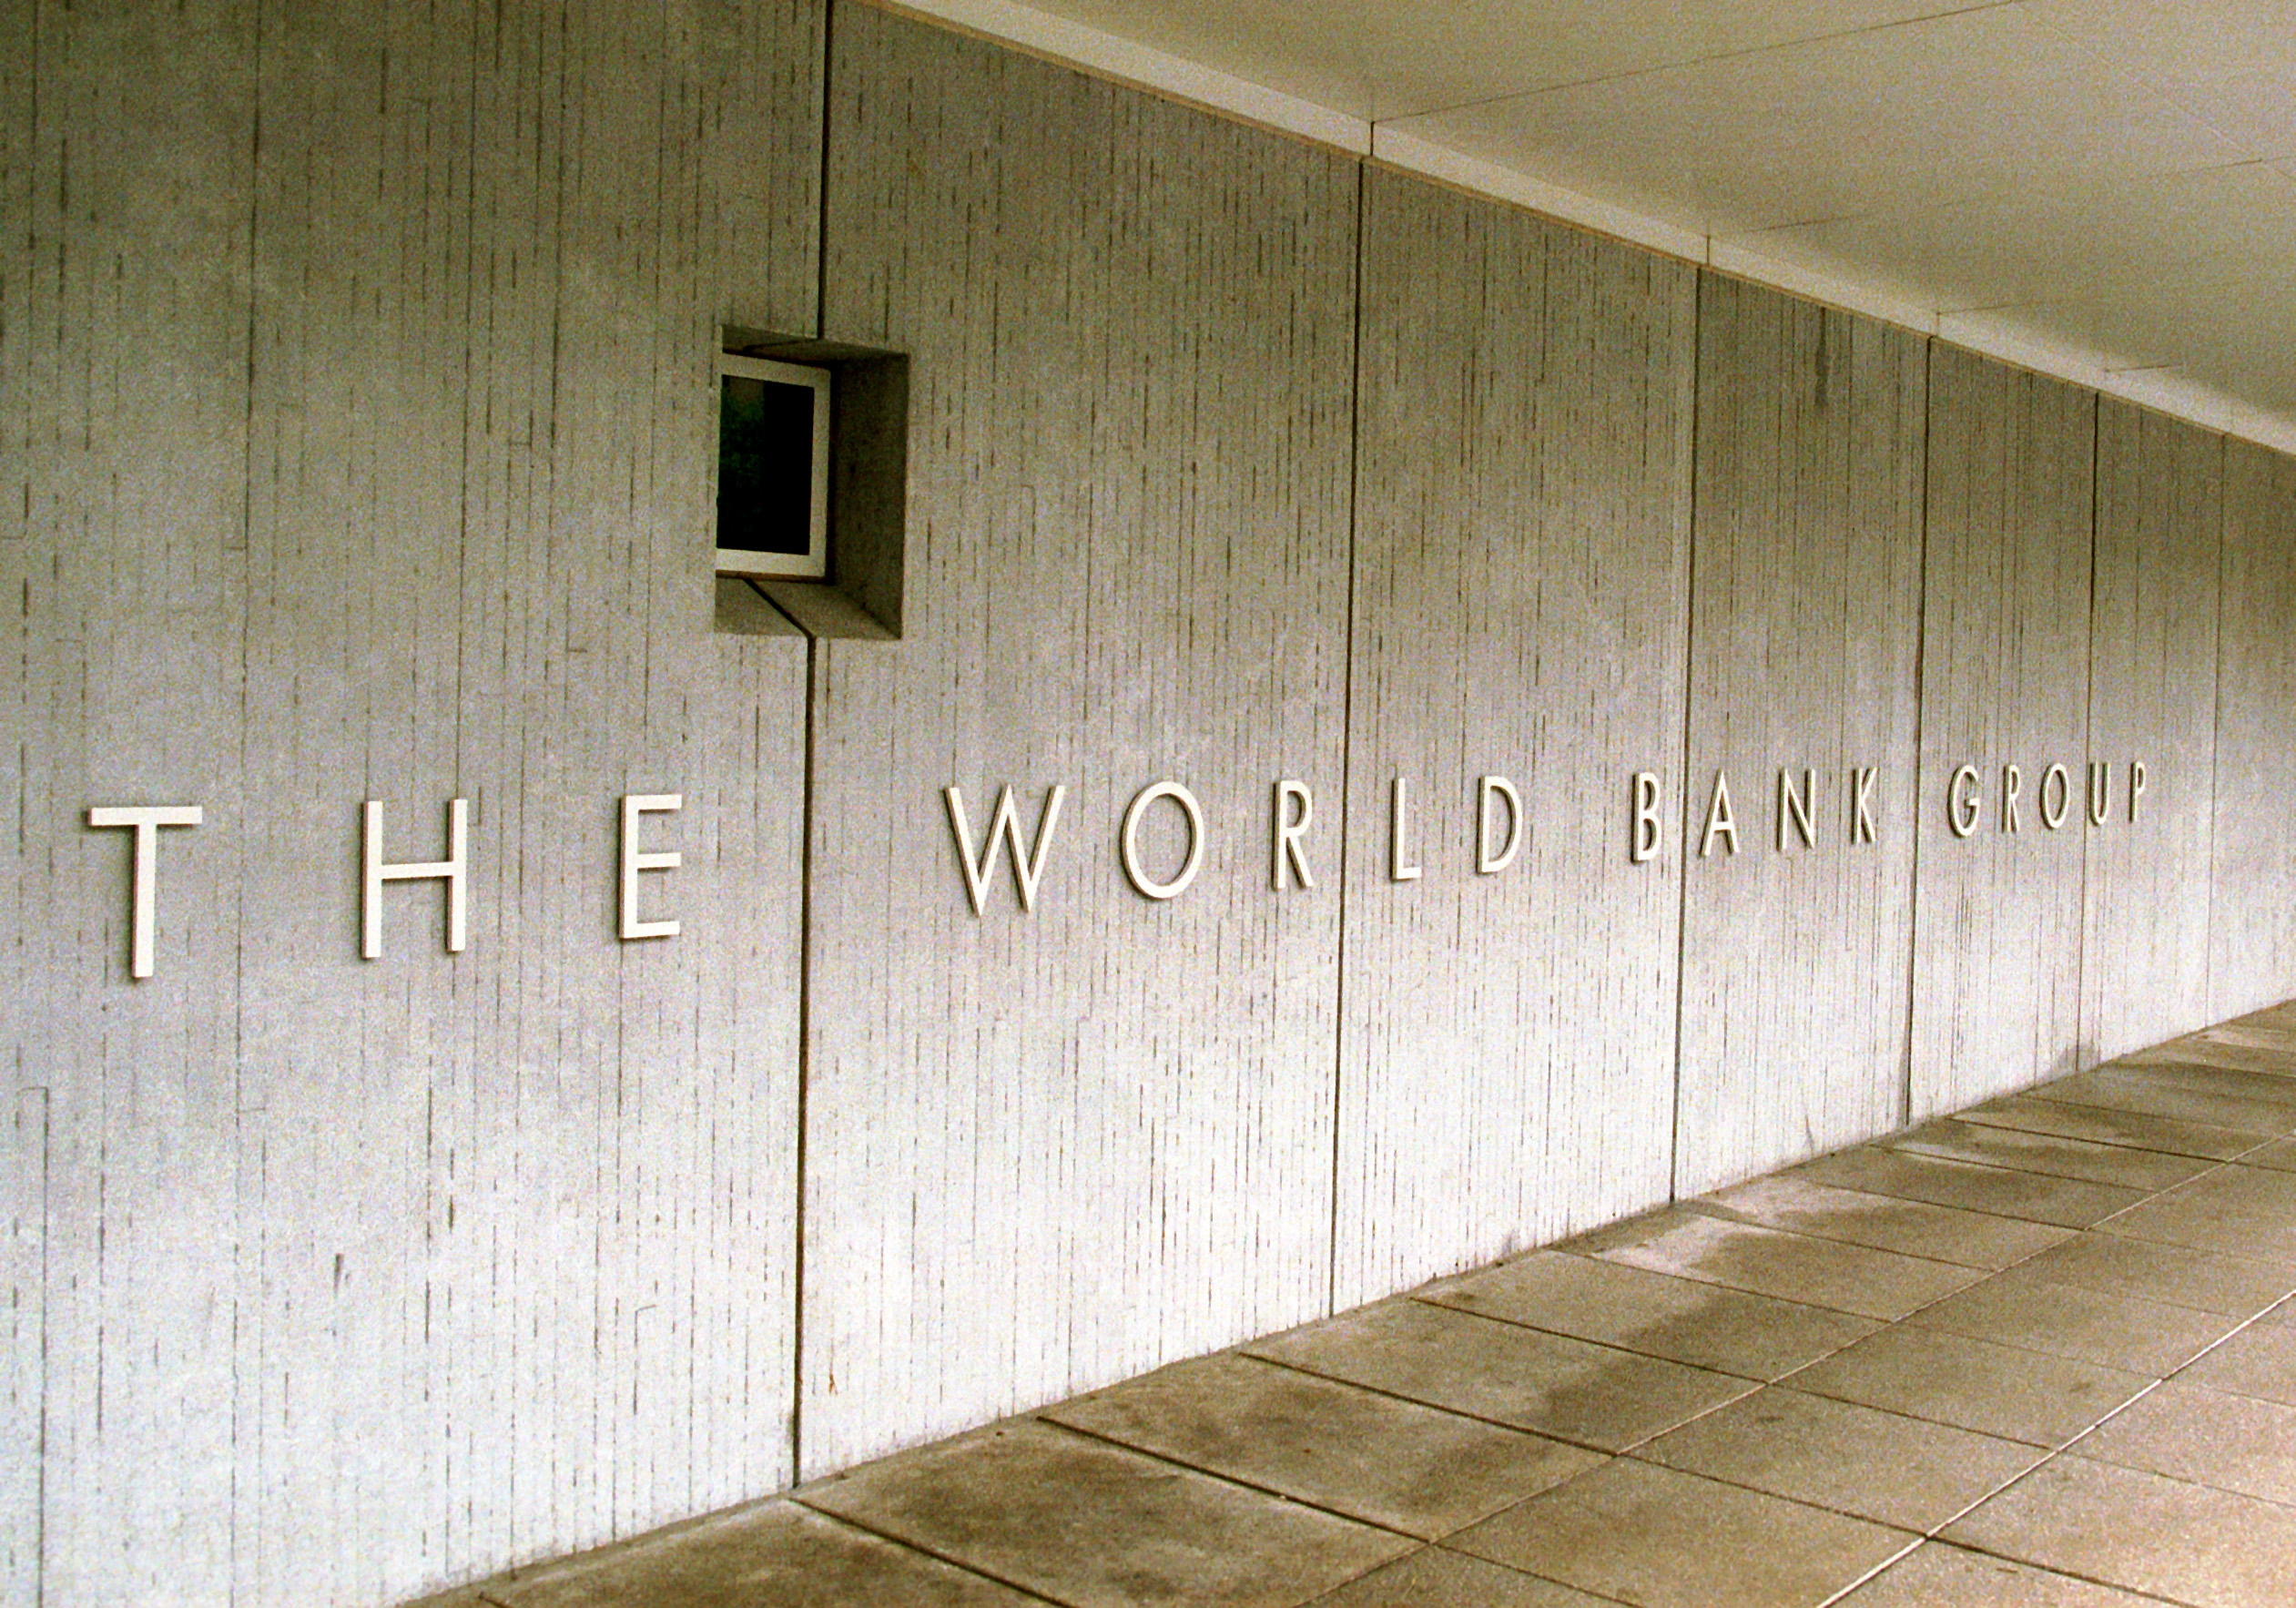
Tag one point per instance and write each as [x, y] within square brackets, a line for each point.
[2088, 719]
[2209, 1001]
[1346, 730]
[821, 232]
[48, 1238]
[240, 890]
[1690, 682]
[1921, 665]
[254, 221]
[805, 1066]
[805, 824]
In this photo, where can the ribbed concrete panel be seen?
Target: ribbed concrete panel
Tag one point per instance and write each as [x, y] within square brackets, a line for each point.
[2004, 683]
[123, 360]
[1045, 1150]
[1506, 1066]
[2152, 702]
[1805, 611]
[2252, 952]
[368, 459]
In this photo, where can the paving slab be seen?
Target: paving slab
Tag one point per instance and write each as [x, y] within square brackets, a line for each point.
[2186, 1542]
[2160, 1091]
[778, 1555]
[1357, 1452]
[2260, 1362]
[1097, 1526]
[2207, 1070]
[2208, 1437]
[2279, 1155]
[2068, 1203]
[2021, 1307]
[1972, 1384]
[2103, 1125]
[2247, 1050]
[2239, 1211]
[1912, 1228]
[1909, 1472]
[1852, 1278]
[1435, 1578]
[2213, 1281]
[2253, 1036]
[1644, 1534]
[1593, 1396]
[2052, 1154]
[1935, 1573]
[1681, 1319]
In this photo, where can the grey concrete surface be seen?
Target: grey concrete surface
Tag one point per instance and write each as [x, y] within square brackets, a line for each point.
[1946, 1373]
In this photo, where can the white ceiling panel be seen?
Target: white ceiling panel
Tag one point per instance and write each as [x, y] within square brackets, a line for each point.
[2234, 67]
[2109, 183]
[2232, 337]
[1987, 103]
[1377, 59]
[2039, 246]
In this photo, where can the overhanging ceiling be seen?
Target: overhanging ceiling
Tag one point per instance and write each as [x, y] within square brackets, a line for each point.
[2104, 189]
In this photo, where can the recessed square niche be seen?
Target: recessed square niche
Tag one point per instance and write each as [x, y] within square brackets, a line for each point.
[811, 484]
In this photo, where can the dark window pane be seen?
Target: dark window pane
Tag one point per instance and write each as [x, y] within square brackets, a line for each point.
[765, 465]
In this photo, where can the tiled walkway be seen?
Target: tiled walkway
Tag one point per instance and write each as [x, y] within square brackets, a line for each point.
[2032, 1356]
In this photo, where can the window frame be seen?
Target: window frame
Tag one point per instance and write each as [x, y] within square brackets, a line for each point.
[813, 565]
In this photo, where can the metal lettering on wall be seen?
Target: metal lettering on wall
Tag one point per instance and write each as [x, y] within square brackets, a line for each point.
[1801, 822]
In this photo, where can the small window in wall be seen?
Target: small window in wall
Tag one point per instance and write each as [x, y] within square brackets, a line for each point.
[812, 511]
[773, 468]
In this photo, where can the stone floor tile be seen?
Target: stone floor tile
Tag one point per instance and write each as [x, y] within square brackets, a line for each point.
[2240, 1211]
[778, 1555]
[1681, 1319]
[2186, 1542]
[2259, 1361]
[1912, 1228]
[2266, 1193]
[2068, 1203]
[2208, 1048]
[1631, 1230]
[2052, 1154]
[1646, 1534]
[2188, 1223]
[2279, 1155]
[1371, 1457]
[2155, 1091]
[1973, 1384]
[1590, 1395]
[2022, 1307]
[1435, 1577]
[2247, 1036]
[2209, 1072]
[1851, 1278]
[2208, 1437]
[2102, 1125]
[1910, 1472]
[2177, 1275]
[1097, 1526]
[1935, 1575]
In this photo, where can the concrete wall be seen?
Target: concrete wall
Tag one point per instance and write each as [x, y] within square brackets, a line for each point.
[1049, 1149]
[2007, 574]
[1522, 502]
[1806, 621]
[355, 435]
